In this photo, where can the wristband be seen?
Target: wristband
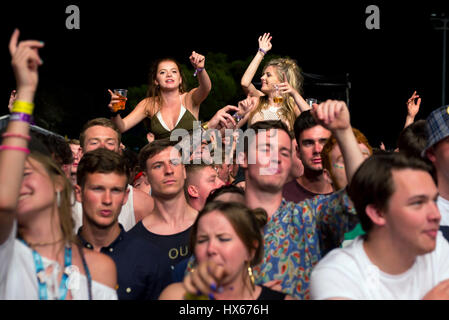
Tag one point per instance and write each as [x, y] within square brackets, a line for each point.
[16, 135]
[205, 125]
[263, 51]
[17, 116]
[197, 70]
[26, 150]
[23, 107]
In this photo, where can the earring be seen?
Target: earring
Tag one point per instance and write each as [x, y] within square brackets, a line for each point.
[58, 198]
[251, 276]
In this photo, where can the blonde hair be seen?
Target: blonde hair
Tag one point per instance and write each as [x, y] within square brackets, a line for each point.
[64, 210]
[292, 71]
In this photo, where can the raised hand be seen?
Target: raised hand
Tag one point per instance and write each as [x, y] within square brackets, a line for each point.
[197, 60]
[332, 114]
[12, 98]
[285, 87]
[247, 105]
[413, 104]
[25, 61]
[114, 100]
[223, 119]
[265, 42]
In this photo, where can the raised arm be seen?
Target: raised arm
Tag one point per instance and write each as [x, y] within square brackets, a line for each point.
[200, 93]
[246, 82]
[132, 119]
[413, 105]
[13, 151]
[334, 115]
[301, 104]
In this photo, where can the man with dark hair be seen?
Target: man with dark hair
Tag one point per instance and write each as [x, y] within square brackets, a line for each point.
[103, 133]
[403, 255]
[310, 138]
[102, 178]
[297, 235]
[168, 226]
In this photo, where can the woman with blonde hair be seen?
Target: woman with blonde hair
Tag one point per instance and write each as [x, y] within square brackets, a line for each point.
[39, 257]
[279, 97]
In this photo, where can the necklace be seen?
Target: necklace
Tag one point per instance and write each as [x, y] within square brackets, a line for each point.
[40, 273]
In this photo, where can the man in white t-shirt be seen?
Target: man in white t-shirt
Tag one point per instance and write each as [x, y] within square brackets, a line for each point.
[437, 151]
[402, 255]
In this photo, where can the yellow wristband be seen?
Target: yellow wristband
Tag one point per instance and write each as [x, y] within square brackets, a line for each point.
[205, 125]
[23, 107]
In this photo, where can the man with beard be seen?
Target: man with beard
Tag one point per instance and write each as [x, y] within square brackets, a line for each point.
[102, 191]
[311, 138]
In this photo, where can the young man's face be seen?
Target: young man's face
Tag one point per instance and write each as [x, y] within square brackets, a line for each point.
[272, 153]
[102, 197]
[203, 182]
[166, 173]
[412, 216]
[310, 144]
[101, 137]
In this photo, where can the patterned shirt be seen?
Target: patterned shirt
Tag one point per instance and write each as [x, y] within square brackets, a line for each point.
[298, 235]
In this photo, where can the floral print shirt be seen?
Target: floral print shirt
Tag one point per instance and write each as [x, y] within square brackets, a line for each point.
[298, 235]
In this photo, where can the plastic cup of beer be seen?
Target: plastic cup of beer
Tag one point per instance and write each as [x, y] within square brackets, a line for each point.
[122, 93]
[277, 99]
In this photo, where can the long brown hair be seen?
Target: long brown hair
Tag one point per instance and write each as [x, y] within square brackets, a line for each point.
[154, 92]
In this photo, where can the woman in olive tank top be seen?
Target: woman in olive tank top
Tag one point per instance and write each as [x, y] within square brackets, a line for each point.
[168, 105]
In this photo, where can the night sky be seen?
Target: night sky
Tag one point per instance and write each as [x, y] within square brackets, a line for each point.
[117, 42]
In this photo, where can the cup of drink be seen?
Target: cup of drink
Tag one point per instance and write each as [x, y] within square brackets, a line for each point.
[311, 101]
[277, 99]
[122, 93]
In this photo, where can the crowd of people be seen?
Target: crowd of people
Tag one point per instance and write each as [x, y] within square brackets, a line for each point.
[273, 198]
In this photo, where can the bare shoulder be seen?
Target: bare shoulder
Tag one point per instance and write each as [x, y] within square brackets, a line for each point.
[144, 106]
[101, 267]
[143, 204]
[174, 291]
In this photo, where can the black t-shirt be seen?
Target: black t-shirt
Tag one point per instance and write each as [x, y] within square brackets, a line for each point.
[141, 275]
[175, 247]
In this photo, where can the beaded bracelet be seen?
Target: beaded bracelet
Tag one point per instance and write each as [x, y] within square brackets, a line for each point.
[197, 70]
[263, 51]
[26, 150]
[23, 107]
[18, 116]
[16, 135]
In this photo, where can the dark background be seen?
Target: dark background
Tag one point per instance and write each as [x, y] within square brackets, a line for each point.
[118, 41]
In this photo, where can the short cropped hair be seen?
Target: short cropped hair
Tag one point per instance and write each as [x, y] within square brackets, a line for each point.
[103, 122]
[373, 184]
[100, 161]
[264, 125]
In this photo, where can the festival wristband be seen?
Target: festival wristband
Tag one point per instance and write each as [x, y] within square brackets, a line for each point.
[263, 51]
[205, 125]
[16, 116]
[16, 135]
[197, 70]
[26, 150]
[23, 107]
